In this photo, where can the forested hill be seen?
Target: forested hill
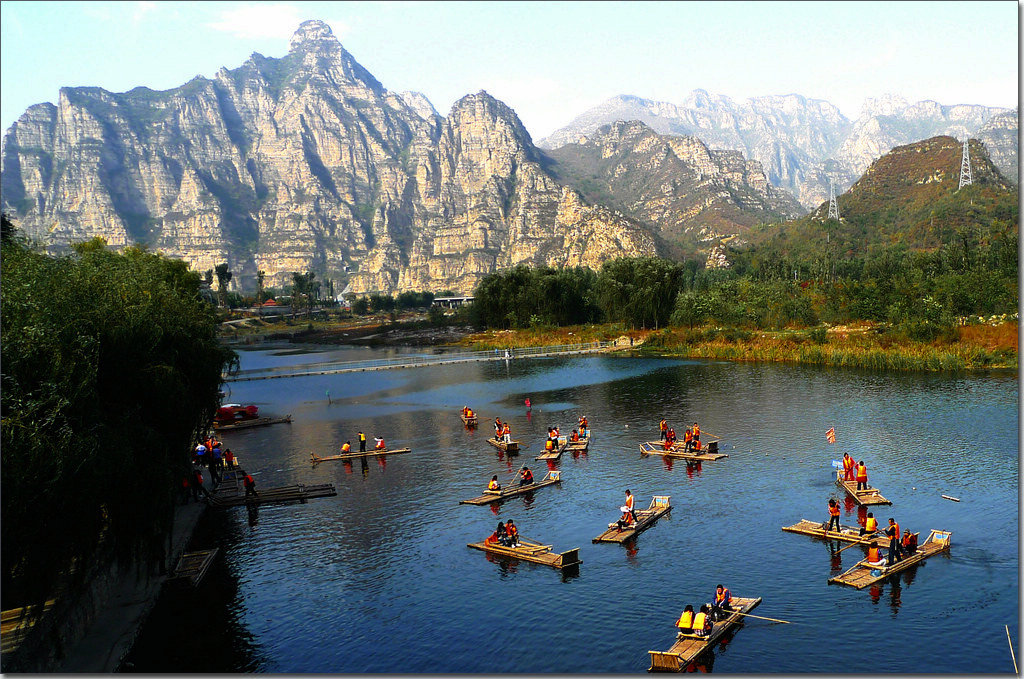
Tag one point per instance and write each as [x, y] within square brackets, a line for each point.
[907, 198]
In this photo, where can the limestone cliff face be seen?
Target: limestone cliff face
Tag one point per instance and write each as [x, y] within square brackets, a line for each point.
[802, 143]
[302, 163]
[1001, 137]
[691, 195]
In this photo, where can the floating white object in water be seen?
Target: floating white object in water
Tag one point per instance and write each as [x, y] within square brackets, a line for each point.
[954, 499]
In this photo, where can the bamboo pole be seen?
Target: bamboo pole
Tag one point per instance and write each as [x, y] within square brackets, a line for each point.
[1012, 657]
[761, 617]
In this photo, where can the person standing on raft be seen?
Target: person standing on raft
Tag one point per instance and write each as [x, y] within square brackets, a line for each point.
[862, 476]
[893, 533]
[833, 512]
[663, 426]
[848, 466]
[362, 442]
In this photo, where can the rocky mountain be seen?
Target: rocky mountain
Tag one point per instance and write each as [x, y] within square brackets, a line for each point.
[300, 163]
[692, 195]
[911, 197]
[1001, 138]
[801, 143]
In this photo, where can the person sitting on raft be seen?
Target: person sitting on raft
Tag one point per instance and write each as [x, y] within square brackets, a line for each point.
[671, 436]
[721, 603]
[549, 445]
[909, 543]
[575, 436]
[875, 557]
[525, 477]
[628, 515]
[346, 447]
[513, 533]
[685, 621]
[378, 443]
[870, 526]
[499, 536]
[702, 623]
[494, 485]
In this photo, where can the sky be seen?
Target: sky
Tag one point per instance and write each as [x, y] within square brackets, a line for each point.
[549, 61]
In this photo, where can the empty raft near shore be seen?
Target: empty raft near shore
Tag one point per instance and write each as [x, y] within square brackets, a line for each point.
[645, 518]
[678, 451]
[869, 496]
[354, 455]
[533, 552]
[489, 496]
[245, 424]
[688, 647]
[864, 574]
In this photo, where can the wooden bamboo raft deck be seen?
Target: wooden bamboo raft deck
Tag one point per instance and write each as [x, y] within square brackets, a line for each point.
[554, 454]
[677, 452]
[581, 446]
[233, 497]
[192, 566]
[511, 448]
[645, 519]
[489, 496]
[533, 552]
[862, 575]
[847, 534]
[871, 496]
[258, 422]
[687, 648]
[315, 459]
[15, 623]
[469, 421]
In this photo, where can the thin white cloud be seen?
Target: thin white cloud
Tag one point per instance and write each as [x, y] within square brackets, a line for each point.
[142, 10]
[264, 20]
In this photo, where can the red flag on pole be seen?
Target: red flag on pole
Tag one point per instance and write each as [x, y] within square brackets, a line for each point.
[831, 435]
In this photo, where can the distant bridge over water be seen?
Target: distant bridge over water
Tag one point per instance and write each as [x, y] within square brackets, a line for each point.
[336, 367]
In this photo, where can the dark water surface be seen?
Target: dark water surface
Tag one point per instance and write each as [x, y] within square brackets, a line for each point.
[379, 578]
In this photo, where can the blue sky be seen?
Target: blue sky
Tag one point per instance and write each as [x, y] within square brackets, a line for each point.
[548, 61]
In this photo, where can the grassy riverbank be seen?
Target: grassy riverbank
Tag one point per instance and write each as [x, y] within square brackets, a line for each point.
[865, 346]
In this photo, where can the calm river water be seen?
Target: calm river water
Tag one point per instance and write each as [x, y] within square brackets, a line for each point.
[379, 578]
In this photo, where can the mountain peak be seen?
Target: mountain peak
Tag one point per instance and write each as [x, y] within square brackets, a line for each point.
[312, 34]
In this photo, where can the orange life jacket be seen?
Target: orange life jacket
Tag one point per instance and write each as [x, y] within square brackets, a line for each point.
[380, 446]
[507, 429]
[548, 445]
[862, 473]
[848, 463]
[346, 447]
[696, 445]
[834, 510]
[513, 532]
[873, 554]
[896, 525]
[249, 481]
[723, 597]
[688, 436]
[663, 425]
[629, 502]
[696, 432]
[575, 437]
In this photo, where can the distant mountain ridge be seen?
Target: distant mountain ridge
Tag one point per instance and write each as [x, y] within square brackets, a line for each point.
[804, 143]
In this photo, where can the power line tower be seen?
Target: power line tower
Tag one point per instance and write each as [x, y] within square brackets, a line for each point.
[966, 178]
[833, 207]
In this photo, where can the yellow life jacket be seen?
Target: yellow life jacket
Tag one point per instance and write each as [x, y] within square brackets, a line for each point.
[685, 620]
[493, 485]
[871, 525]
[700, 621]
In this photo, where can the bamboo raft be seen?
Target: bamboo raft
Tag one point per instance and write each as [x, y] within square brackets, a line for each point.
[862, 575]
[235, 497]
[469, 421]
[533, 552]
[688, 647]
[354, 455]
[556, 453]
[581, 446]
[677, 451]
[244, 424]
[16, 623]
[645, 519]
[510, 448]
[871, 496]
[846, 534]
[192, 566]
[489, 496]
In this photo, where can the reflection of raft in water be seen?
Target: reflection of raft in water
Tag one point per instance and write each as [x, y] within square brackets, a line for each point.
[846, 534]
[645, 518]
[490, 496]
[354, 455]
[534, 552]
[864, 574]
[678, 451]
[688, 647]
[870, 496]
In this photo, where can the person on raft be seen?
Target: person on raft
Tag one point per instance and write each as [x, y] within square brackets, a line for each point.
[494, 485]
[909, 542]
[870, 525]
[525, 477]
[892, 532]
[628, 515]
[663, 426]
[848, 466]
[833, 513]
[499, 536]
[702, 623]
[346, 447]
[862, 476]
[250, 486]
[575, 436]
[513, 533]
[685, 621]
[721, 603]
[875, 557]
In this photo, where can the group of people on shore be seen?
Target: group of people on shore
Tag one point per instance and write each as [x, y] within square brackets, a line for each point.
[211, 454]
[702, 622]
[691, 437]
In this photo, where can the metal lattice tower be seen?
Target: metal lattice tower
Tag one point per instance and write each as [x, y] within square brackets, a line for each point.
[966, 179]
[833, 207]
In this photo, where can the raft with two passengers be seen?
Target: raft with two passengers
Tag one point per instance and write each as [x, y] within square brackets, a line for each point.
[495, 493]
